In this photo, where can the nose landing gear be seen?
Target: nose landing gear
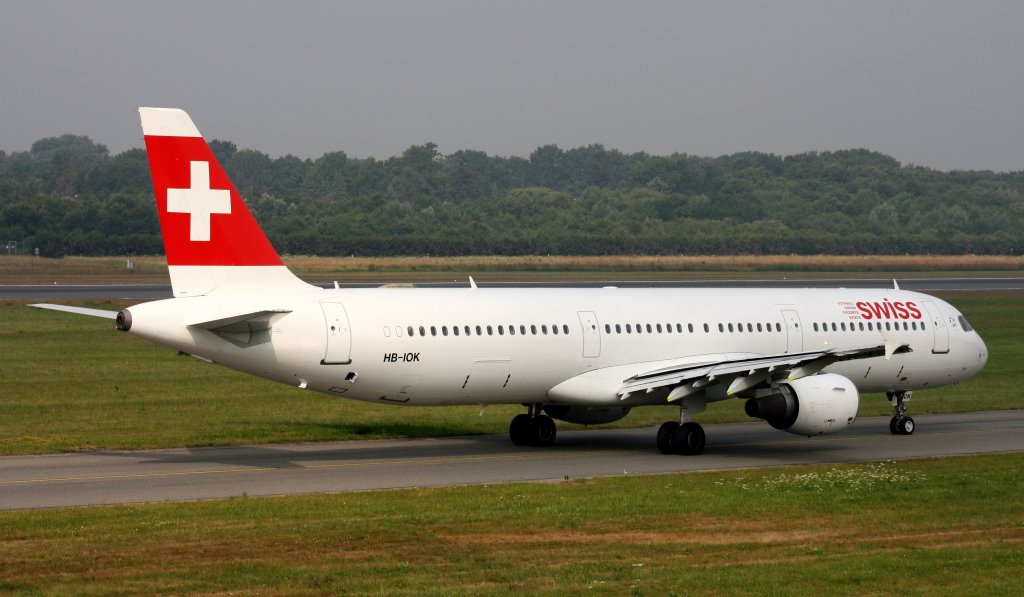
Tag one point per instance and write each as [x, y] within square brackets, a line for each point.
[901, 423]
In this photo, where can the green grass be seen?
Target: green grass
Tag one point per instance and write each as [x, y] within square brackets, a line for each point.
[70, 382]
[931, 527]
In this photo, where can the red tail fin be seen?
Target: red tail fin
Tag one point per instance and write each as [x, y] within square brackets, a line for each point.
[206, 226]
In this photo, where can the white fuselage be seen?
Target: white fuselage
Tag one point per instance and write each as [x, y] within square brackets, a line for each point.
[400, 345]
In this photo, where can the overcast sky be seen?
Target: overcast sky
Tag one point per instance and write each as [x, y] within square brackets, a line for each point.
[932, 83]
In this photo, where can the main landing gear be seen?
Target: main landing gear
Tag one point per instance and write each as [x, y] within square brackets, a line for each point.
[901, 424]
[681, 438]
[533, 429]
[684, 436]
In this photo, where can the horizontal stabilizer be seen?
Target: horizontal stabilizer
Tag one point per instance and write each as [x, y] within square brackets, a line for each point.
[244, 323]
[78, 310]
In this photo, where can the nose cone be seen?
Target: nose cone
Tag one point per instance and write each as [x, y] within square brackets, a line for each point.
[976, 353]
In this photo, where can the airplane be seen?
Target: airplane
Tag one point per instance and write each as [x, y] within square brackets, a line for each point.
[799, 358]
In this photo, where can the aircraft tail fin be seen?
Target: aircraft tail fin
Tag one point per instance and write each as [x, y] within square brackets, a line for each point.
[211, 239]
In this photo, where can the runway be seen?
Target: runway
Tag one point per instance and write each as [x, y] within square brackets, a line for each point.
[116, 477]
[58, 292]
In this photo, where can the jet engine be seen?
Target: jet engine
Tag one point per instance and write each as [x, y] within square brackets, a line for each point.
[814, 405]
[586, 415]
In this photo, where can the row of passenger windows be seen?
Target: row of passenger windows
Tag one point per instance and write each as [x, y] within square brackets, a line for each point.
[480, 330]
[668, 328]
[629, 328]
[871, 326]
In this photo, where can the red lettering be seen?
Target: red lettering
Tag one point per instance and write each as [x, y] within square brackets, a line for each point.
[901, 311]
[865, 312]
[914, 311]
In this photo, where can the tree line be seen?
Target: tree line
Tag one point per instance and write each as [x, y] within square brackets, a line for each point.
[68, 195]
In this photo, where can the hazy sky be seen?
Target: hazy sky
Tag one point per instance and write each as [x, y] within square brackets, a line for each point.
[939, 84]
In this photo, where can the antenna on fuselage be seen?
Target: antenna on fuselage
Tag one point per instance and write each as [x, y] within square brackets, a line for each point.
[472, 283]
[895, 284]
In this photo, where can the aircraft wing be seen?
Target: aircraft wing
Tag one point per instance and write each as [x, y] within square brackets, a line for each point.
[748, 373]
[78, 310]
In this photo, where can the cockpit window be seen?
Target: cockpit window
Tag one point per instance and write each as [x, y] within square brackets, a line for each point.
[964, 325]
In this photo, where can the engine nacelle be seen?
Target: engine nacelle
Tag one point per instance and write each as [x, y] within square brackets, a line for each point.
[814, 405]
[586, 415]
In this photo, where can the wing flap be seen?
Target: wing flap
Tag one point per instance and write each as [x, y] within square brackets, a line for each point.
[744, 374]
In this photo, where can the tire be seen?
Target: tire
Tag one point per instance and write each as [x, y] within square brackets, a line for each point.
[689, 439]
[544, 431]
[893, 429]
[520, 430]
[665, 432]
[906, 426]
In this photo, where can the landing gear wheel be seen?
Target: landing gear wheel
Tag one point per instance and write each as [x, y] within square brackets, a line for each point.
[665, 437]
[544, 431]
[689, 439]
[521, 430]
[539, 431]
[900, 424]
[685, 438]
[905, 426]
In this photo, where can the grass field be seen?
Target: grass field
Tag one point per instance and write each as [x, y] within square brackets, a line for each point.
[153, 270]
[932, 527]
[69, 382]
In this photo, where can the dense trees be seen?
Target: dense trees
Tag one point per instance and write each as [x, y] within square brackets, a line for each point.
[69, 195]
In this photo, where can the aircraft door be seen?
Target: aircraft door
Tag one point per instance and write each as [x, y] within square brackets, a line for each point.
[794, 335]
[591, 334]
[939, 328]
[339, 338]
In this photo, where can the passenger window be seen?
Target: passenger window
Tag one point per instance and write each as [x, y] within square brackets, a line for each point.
[444, 330]
[511, 330]
[834, 328]
[778, 327]
[659, 328]
[629, 329]
[618, 329]
[721, 328]
[861, 325]
[423, 331]
[544, 329]
[815, 326]
[565, 329]
[490, 331]
[398, 331]
[522, 329]
[554, 329]
[479, 331]
[533, 330]
[433, 330]
[887, 328]
[411, 333]
[750, 328]
[639, 329]
[842, 326]
[649, 329]
[501, 330]
[730, 327]
[689, 327]
[607, 328]
[466, 329]
[455, 330]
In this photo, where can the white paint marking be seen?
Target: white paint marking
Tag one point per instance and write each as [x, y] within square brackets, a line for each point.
[199, 201]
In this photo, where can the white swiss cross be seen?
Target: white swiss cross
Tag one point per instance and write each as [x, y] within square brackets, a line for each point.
[199, 202]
